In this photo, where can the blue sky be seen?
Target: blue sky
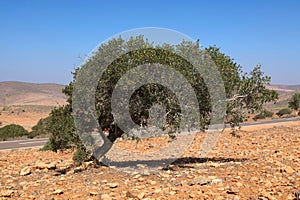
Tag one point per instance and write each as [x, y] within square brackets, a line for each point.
[41, 41]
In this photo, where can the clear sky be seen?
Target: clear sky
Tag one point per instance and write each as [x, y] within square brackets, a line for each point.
[43, 40]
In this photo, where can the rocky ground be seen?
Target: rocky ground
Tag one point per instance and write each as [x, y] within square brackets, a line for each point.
[264, 163]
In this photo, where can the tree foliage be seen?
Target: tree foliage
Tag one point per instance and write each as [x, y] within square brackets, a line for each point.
[294, 102]
[263, 114]
[284, 111]
[61, 128]
[12, 131]
[245, 92]
[40, 129]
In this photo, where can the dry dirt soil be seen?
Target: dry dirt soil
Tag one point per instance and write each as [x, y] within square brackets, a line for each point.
[21, 93]
[264, 163]
[24, 115]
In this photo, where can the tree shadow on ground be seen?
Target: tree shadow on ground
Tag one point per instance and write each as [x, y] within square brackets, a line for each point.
[165, 163]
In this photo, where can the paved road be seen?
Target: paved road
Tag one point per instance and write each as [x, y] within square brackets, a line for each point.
[23, 144]
[19, 144]
[274, 121]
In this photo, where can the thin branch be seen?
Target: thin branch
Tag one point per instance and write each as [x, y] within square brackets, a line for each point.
[235, 97]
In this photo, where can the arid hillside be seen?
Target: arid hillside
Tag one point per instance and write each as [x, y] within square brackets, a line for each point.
[26, 103]
[20, 93]
[285, 93]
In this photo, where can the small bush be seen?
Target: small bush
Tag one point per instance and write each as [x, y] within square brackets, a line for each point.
[46, 147]
[284, 111]
[80, 156]
[294, 102]
[62, 129]
[62, 134]
[263, 114]
[12, 131]
[40, 128]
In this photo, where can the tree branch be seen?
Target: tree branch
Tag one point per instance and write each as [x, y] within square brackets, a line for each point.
[235, 97]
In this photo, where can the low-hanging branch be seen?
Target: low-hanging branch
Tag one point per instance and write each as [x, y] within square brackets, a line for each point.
[235, 97]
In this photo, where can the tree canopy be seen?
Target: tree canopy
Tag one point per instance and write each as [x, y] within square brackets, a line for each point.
[294, 102]
[245, 92]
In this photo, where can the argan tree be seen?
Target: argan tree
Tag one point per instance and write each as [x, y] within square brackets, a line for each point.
[245, 92]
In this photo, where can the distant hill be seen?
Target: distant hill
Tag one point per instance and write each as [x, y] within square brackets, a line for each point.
[285, 88]
[21, 93]
[285, 93]
[49, 94]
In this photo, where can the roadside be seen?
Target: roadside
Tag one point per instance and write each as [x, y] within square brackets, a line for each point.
[263, 163]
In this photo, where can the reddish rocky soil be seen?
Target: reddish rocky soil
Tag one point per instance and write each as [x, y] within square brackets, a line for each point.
[264, 163]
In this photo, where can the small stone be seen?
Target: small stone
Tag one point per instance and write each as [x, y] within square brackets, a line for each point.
[141, 195]
[93, 193]
[23, 183]
[216, 181]
[290, 197]
[130, 195]
[78, 169]
[268, 184]
[200, 181]
[165, 175]
[6, 193]
[254, 179]
[112, 185]
[140, 187]
[141, 166]
[87, 164]
[192, 196]
[25, 171]
[190, 176]
[213, 164]
[267, 195]
[105, 197]
[59, 172]
[146, 173]
[137, 176]
[152, 182]
[239, 184]
[289, 170]
[233, 190]
[45, 165]
[141, 179]
[158, 190]
[262, 198]
[58, 191]
[236, 198]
